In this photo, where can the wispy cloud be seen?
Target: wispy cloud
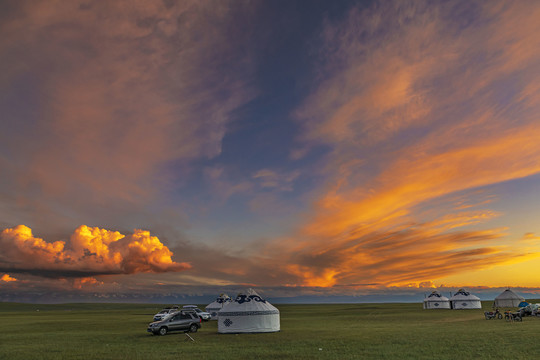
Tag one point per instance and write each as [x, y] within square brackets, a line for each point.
[419, 94]
[271, 179]
[109, 109]
[223, 186]
[114, 94]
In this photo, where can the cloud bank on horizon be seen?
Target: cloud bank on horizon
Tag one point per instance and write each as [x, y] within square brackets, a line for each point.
[360, 145]
[89, 252]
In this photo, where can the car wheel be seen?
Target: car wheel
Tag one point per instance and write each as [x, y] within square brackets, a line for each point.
[162, 331]
[193, 328]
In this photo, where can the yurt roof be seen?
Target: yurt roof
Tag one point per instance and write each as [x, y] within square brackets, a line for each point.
[509, 294]
[436, 296]
[248, 300]
[221, 300]
[462, 294]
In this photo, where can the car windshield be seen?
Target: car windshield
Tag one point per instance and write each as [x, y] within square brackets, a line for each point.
[163, 311]
[198, 310]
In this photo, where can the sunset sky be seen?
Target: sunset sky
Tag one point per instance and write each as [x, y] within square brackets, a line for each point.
[306, 148]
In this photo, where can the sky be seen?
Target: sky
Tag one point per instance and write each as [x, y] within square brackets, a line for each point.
[153, 150]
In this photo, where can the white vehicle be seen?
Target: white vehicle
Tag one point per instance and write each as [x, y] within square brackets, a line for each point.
[165, 312]
[202, 314]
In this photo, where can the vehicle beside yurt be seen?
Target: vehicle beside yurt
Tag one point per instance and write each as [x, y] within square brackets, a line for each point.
[248, 313]
[465, 300]
[507, 299]
[436, 301]
[217, 305]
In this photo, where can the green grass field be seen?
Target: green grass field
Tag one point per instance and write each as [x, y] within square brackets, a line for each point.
[329, 331]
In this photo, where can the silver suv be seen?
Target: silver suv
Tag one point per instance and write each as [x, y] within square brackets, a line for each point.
[165, 313]
[205, 316]
[187, 321]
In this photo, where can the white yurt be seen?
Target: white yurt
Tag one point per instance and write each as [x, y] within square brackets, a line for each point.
[465, 300]
[436, 301]
[248, 313]
[217, 305]
[507, 299]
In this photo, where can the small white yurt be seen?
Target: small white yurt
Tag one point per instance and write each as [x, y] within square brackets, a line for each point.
[217, 305]
[508, 299]
[436, 301]
[248, 313]
[465, 300]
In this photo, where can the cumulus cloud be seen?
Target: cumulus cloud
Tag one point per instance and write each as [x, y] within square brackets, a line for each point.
[89, 251]
[7, 278]
[87, 282]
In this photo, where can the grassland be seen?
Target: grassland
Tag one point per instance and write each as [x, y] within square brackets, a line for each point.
[330, 331]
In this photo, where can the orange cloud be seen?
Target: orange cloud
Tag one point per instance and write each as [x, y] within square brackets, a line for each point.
[313, 276]
[90, 250]
[80, 283]
[7, 278]
[411, 116]
[413, 179]
[397, 258]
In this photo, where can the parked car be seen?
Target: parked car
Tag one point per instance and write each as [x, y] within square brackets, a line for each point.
[165, 312]
[187, 321]
[205, 316]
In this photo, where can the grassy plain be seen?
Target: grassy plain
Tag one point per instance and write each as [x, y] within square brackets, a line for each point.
[329, 331]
